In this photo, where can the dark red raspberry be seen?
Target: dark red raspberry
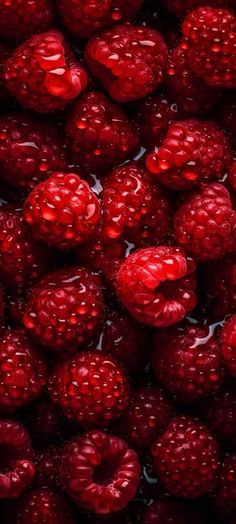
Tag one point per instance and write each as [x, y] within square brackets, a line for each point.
[192, 152]
[4, 55]
[170, 511]
[187, 362]
[227, 116]
[47, 467]
[148, 415]
[16, 466]
[228, 344]
[99, 133]
[16, 305]
[100, 472]
[30, 150]
[210, 39]
[219, 412]
[181, 7]
[63, 211]
[157, 285]
[23, 371]
[2, 305]
[86, 17]
[46, 422]
[43, 74]
[20, 18]
[65, 309]
[44, 506]
[232, 175]
[186, 458]
[205, 224]
[225, 492]
[219, 280]
[128, 60]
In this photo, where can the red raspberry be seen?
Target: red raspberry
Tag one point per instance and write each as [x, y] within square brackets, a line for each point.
[232, 175]
[20, 18]
[228, 344]
[225, 492]
[23, 371]
[4, 55]
[65, 309]
[1, 305]
[86, 17]
[90, 389]
[46, 422]
[44, 506]
[187, 362]
[16, 305]
[99, 133]
[157, 285]
[186, 458]
[42, 73]
[180, 8]
[170, 511]
[16, 468]
[100, 472]
[210, 40]
[128, 60]
[30, 150]
[219, 280]
[47, 467]
[147, 417]
[220, 414]
[205, 224]
[192, 152]
[63, 211]
[227, 116]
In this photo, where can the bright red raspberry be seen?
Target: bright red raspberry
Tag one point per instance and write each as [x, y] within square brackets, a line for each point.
[99, 133]
[85, 17]
[63, 211]
[43, 74]
[228, 344]
[65, 309]
[16, 467]
[100, 472]
[30, 150]
[210, 40]
[219, 280]
[187, 362]
[191, 152]
[205, 224]
[147, 417]
[4, 55]
[128, 60]
[171, 511]
[44, 506]
[219, 412]
[23, 370]
[157, 285]
[46, 422]
[47, 467]
[225, 492]
[90, 389]
[186, 458]
[20, 18]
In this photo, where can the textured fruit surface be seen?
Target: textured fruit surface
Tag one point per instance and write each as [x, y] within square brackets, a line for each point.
[4, 55]
[225, 492]
[20, 18]
[219, 412]
[219, 280]
[44, 506]
[180, 8]
[170, 511]
[47, 464]
[100, 472]
[228, 344]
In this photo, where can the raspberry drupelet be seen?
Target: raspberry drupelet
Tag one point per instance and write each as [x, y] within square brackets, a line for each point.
[224, 494]
[219, 412]
[20, 18]
[42, 73]
[100, 472]
[128, 60]
[65, 309]
[191, 152]
[99, 134]
[16, 468]
[186, 470]
[157, 285]
[228, 344]
[90, 389]
[170, 511]
[44, 506]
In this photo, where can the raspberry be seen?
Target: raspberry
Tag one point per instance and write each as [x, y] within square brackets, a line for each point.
[4, 55]
[63, 211]
[205, 224]
[84, 18]
[227, 116]
[225, 492]
[16, 305]
[232, 175]
[219, 279]
[187, 362]
[30, 150]
[186, 458]
[16, 466]
[20, 18]
[42, 73]
[45, 421]
[147, 417]
[99, 133]
[47, 467]
[65, 309]
[157, 285]
[168, 511]
[220, 414]
[228, 344]
[180, 8]
[100, 472]
[44, 506]
[210, 39]
[192, 152]
[128, 60]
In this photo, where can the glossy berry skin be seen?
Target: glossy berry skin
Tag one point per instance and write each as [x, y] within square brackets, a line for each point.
[225, 492]
[99, 134]
[228, 344]
[205, 224]
[171, 511]
[62, 211]
[23, 370]
[42, 73]
[219, 412]
[20, 18]
[157, 285]
[186, 458]
[84, 18]
[30, 150]
[210, 37]
[191, 152]
[44, 506]
[100, 472]
[65, 309]
[187, 362]
[90, 389]
[47, 464]
[128, 60]
[17, 469]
